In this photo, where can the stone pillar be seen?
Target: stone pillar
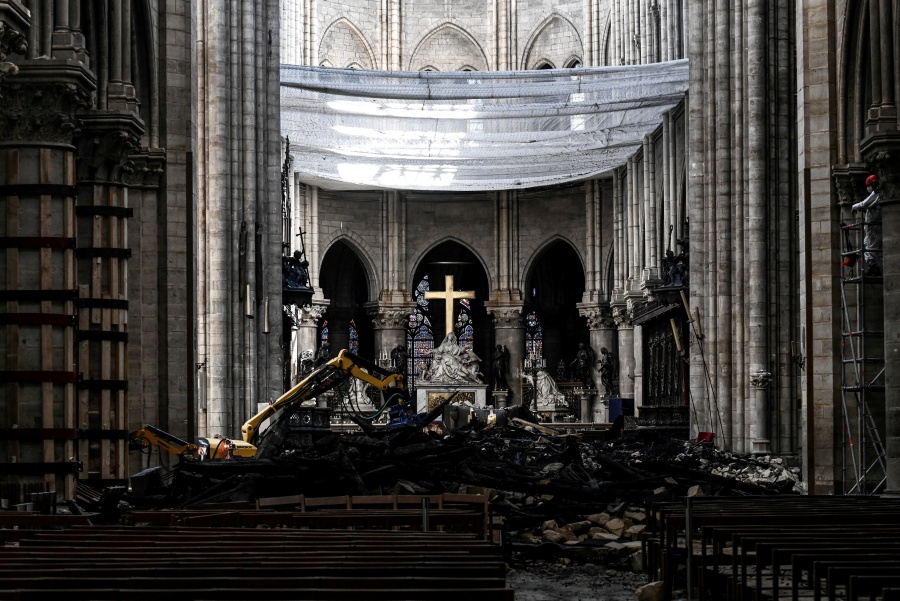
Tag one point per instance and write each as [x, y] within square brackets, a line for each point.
[891, 267]
[147, 341]
[602, 335]
[881, 150]
[306, 337]
[585, 398]
[626, 354]
[38, 282]
[102, 253]
[389, 322]
[509, 331]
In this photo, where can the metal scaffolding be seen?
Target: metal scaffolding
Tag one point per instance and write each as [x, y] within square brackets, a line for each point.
[862, 352]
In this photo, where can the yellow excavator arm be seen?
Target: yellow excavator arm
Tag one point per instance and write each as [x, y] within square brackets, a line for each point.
[324, 378]
[151, 435]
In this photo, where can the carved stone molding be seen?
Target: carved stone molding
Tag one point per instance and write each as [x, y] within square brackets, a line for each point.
[760, 379]
[41, 112]
[389, 317]
[598, 317]
[149, 165]
[881, 160]
[105, 146]
[506, 316]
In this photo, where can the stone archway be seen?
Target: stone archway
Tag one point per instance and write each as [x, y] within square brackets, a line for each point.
[553, 288]
[450, 258]
[344, 283]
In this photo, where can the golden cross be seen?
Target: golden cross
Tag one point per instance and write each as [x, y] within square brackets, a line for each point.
[448, 296]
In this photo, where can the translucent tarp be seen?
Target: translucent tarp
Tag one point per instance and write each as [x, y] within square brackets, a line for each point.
[470, 131]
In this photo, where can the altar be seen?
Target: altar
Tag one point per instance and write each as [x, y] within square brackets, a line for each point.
[430, 395]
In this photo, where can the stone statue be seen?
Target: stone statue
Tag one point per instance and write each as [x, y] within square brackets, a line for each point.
[500, 367]
[871, 205]
[583, 365]
[608, 368]
[546, 393]
[295, 272]
[452, 364]
[307, 362]
[398, 358]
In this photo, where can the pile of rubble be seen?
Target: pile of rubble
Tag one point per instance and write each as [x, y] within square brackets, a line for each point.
[564, 496]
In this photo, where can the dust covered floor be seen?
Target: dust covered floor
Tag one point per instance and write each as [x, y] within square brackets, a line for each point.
[555, 582]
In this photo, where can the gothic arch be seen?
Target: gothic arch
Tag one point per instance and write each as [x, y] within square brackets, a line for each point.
[535, 255]
[363, 253]
[541, 31]
[605, 44]
[418, 259]
[421, 55]
[853, 80]
[363, 54]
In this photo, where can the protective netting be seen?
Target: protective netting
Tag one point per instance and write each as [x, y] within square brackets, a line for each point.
[470, 131]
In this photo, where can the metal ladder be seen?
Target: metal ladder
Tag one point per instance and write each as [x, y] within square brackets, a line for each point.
[861, 438]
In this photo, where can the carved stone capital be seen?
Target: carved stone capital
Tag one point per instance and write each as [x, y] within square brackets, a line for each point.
[310, 315]
[506, 316]
[621, 317]
[149, 164]
[41, 112]
[849, 183]
[598, 317]
[105, 146]
[389, 317]
[760, 379]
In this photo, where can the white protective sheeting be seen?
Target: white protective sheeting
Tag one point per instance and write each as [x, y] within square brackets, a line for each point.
[470, 131]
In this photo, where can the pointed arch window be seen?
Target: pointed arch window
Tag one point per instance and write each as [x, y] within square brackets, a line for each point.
[323, 337]
[534, 342]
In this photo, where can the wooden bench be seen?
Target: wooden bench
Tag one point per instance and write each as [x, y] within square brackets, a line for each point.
[183, 562]
[700, 534]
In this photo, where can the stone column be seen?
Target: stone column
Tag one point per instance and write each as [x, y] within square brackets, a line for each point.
[38, 283]
[389, 322]
[306, 336]
[509, 331]
[147, 340]
[603, 334]
[626, 353]
[103, 252]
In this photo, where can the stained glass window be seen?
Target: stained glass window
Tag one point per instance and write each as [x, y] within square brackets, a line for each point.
[324, 336]
[465, 333]
[354, 338]
[419, 335]
[534, 342]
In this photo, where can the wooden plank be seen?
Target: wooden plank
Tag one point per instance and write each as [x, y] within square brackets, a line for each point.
[45, 223]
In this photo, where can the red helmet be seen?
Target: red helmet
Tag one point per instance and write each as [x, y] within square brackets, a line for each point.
[872, 180]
